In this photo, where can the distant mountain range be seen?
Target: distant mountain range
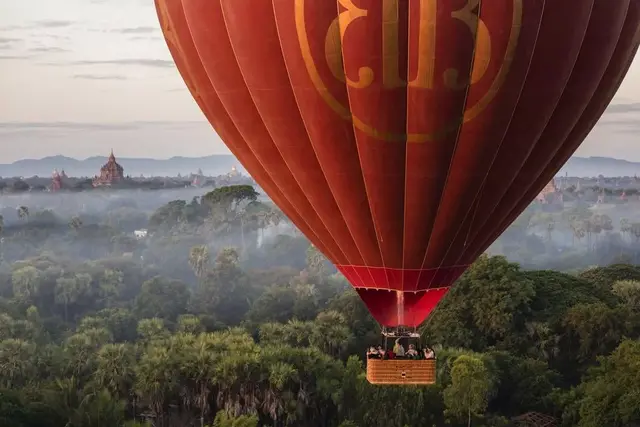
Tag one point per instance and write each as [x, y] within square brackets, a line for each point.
[220, 164]
[594, 166]
[210, 165]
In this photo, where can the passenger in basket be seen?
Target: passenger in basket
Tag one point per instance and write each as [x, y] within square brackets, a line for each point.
[429, 354]
[372, 353]
[412, 353]
[398, 349]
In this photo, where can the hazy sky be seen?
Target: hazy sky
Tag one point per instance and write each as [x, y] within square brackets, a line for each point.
[79, 77]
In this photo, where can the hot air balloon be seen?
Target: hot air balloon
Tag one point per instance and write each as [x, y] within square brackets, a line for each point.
[402, 137]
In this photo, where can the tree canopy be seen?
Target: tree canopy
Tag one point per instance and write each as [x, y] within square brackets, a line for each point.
[223, 315]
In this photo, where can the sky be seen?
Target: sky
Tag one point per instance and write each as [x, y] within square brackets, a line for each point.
[80, 77]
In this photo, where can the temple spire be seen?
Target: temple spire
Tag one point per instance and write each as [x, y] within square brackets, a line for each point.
[109, 173]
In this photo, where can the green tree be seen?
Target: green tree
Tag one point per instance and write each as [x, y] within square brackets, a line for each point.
[611, 392]
[225, 420]
[229, 198]
[629, 292]
[115, 365]
[156, 380]
[330, 333]
[152, 330]
[1, 239]
[163, 298]
[110, 286]
[316, 264]
[596, 329]
[225, 290]
[199, 259]
[188, 323]
[70, 289]
[16, 362]
[75, 223]
[23, 212]
[26, 283]
[486, 307]
[468, 393]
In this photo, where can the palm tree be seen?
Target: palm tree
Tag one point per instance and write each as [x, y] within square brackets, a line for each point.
[316, 263]
[297, 333]
[23, 212]
[577, 227]
[331, 333]
[545, 343]
[225, 420]
[15, 362]
[227, 258]
[64, 397]
[156, 380]
[69, 289]
[262, 220]
[66, 293]
[241, 214]
[199, 365]
[75, 223]
[100, 408]
[26, 283]
[115, 369]
[110, 286]
[275, 215]
[1, 239]
[80, 351]
[625, 226]
[635, 232]
[277, 398]
[551, 225]
[267, 215]
[199, 258]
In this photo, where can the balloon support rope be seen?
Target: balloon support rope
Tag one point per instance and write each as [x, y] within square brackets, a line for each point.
[400, 304]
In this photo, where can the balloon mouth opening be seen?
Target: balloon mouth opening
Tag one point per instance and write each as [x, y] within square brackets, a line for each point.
[396, 309]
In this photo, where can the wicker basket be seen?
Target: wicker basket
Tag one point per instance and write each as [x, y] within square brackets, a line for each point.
[401, 372]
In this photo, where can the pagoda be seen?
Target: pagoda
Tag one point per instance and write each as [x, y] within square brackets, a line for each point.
[549, 194]
[198, 179]
[110, 173]
[56, 181]
[234, 173]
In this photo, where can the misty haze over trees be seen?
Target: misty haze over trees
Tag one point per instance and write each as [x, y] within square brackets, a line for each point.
[205, 306]
[595, 224]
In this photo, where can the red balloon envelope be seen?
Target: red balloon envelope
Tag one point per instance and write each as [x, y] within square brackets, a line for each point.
[402, 136]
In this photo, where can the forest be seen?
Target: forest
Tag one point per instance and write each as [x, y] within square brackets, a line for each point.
[222, 314]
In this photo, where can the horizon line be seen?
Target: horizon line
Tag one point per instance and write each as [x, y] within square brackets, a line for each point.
[220, 154]
[26, 159]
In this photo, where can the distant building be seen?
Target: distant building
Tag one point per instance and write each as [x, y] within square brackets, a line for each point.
[234, 173]
[550, 194]
[198, 179]
[56, 181]
[140, 234]
[534, 419]
[110, 173]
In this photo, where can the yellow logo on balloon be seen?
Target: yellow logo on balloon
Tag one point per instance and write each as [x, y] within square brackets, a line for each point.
[425, 78]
